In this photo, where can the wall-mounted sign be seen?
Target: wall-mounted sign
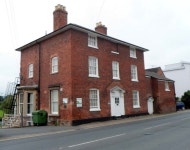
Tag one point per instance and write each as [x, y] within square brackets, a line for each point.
[79, 102]
[65, 100]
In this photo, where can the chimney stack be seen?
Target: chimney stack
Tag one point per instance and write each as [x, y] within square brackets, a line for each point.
[101, 28]
[59, 16]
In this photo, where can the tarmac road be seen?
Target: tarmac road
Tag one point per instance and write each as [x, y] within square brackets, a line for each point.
[35, 131]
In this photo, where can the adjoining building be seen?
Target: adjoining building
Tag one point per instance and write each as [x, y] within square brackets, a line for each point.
[180, 73]
[160, 92]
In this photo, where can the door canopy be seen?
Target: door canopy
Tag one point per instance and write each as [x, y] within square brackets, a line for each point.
[116, 88]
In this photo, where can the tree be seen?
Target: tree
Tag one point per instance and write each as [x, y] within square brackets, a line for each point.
[1, 98]
[6, 104]
[186, 99]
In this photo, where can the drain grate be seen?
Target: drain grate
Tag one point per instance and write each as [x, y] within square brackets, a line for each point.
[147, 133]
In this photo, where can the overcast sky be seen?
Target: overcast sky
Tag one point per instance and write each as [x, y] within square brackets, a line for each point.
[162, 26]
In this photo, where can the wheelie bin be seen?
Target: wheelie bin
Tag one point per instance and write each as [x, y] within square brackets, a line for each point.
[39, 117]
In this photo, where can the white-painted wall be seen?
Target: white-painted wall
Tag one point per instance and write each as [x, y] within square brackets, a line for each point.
[180, 73]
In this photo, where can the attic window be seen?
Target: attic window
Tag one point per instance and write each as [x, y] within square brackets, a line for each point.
[133, 52]
[92, 41]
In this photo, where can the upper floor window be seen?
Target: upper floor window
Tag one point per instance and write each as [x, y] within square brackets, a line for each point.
[167, 88]
[133, 52]
[94, 100]
[115, 70]
[92, 41]
[134, 76]
[93, 66]
[54, 101]
[136, 103]
[30, 71]
[54, 63]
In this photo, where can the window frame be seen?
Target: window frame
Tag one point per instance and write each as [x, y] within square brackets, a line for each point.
[21, 104]
[94, 100]
[93, 69]
[92, 41]
[133, 52]
[167, 87]
[134, 73]
[135, 98]
[30, 71]
[115, 70]
[54, 65]
[54, 102]
[30, 104]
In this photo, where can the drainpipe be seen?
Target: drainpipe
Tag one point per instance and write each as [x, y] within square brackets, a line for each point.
[39, 73]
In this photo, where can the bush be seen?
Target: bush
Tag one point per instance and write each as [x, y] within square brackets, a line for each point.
[186, 99]
[1, 114]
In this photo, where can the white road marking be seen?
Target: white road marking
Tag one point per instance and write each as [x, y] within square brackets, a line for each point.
[34, 135]
[164, 124]
[110, 137]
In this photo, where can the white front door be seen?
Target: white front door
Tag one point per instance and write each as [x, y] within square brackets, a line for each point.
[150, 105]
[117, 102]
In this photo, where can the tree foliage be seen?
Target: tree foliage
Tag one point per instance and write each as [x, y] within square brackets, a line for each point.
[186, 99]
[1, 98]
[6, 104]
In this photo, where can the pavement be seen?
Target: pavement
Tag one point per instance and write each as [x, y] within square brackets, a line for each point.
[34, 131]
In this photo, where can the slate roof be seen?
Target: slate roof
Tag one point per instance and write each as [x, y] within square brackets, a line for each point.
[82, 29]
[155, 75]
[155, 70]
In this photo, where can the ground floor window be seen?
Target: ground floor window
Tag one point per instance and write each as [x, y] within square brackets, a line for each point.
[94, 100]
[30, 103]
[136, 103]
[54, 101]
[21, 102]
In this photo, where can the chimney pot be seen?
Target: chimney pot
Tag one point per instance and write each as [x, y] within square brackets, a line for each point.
[60, 7]
[101, 28]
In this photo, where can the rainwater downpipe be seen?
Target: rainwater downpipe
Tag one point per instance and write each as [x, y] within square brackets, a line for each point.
[39, 73]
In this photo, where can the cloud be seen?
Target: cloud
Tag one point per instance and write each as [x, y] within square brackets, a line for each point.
[162, 26]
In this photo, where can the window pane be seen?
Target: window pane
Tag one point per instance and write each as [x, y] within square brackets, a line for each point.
[54, 64]
[136, 99]
[132, 52]
[20, 103]
[93, 66]
[115, 69]
[30, 71]
[94, 99]
[54, 101]
[134, 72]
[92, 41]
[55, 107]
[30, 105]
[167, 86]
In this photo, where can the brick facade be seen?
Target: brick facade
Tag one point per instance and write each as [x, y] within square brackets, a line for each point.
[72, 81]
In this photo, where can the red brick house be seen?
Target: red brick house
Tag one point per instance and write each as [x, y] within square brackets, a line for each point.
[77, 74]
[160, 92]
